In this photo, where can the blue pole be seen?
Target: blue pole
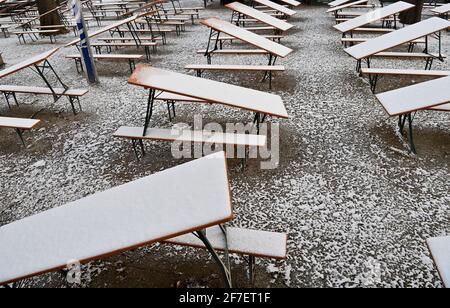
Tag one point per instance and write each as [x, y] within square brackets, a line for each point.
[85, 47]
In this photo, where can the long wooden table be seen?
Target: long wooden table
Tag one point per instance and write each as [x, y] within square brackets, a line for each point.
[442, 10]
[440, 251]
[403, 102]
[37, 59]
[346, 5]
[184, 199]
[105, 29]
[260, 16]
[220, 26]
[209, 91]
[373, 16]
[397, 38]
[275, 6]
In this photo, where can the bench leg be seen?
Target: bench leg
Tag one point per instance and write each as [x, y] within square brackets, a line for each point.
[79, 65]
[149, 112]
[402, 121]
[132, 65]
[73, 100]
[8, 95]
[20, 133]
[225, 270]
[134, 143]
[171, 110]
[258, 120]
[429, 63]
[251, 268]
[373, 80]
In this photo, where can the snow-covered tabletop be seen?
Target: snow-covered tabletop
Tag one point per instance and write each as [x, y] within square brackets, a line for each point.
[244, 35]
[208, 90]
[397, 38]
[416, 97]
[373, 16]
[276, 6]
[261, 16]
[27, 63]
[440, 249]
[176, 201]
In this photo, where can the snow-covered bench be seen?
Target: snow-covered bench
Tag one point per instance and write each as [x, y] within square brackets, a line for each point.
[267, 69]
[246, 242]
[440, 250]
[72, 94]
[375, 73]
[32, 34]
[19, 125]
[108, 57]
[161, 134]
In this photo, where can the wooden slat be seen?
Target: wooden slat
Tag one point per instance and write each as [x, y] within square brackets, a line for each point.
[242, 241]
[40, 90]
[217, 67]
[164, 134]
[346, 5]
[20, 123]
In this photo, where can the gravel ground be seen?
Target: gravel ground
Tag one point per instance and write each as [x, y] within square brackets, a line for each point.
[356, 206]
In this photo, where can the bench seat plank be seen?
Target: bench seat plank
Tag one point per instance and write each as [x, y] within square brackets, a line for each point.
[396, 72]
[416, 97]
[164, 134]
[189, 197]
[440, 250]
[217, 67]
[110, 56]
[40, 90]
[345, 5]
[242, 241]
[236, 51]
[20, 123]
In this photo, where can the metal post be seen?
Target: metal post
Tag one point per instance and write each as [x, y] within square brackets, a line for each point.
[86, 52]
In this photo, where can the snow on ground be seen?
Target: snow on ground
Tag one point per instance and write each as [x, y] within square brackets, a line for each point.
[356, 206]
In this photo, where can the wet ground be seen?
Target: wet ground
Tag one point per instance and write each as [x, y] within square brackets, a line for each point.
[356, 205]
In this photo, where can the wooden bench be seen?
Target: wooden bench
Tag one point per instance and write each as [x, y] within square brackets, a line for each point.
[440, 251]
[108, 57]
[33, 35]
[236, 51]
[428, 57]
[135, 134]
[350, 41]
[270, 37]
[268, 69]
[72, 94]
[247, 242]
[19, 125]
[375, 73]
[146, 45]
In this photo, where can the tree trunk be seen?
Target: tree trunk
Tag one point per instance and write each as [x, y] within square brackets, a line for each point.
[52, 19]
[413, 15]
